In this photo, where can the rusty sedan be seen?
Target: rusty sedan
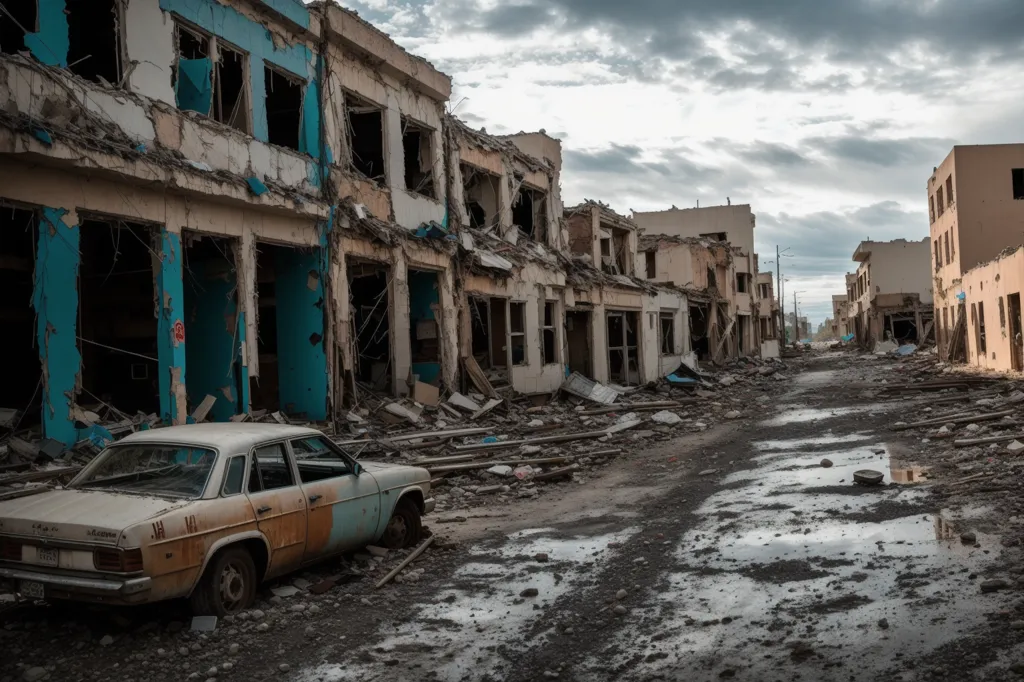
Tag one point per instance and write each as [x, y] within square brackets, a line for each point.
[207, 512]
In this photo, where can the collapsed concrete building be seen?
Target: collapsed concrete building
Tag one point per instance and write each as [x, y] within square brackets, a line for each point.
[891, 297]
[733, 224]
[211, 209]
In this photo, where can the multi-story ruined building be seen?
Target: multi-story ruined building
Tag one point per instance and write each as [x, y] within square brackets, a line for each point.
[975, 211]
[732, 224]
[238, 205]
[891, 298]
[768, 310]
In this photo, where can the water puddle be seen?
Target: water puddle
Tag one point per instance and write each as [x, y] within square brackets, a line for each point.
[467, 629]
[799, 415]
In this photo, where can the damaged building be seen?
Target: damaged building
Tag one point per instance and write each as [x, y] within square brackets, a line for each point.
[219, 210]
[768, 316]
[892, 293]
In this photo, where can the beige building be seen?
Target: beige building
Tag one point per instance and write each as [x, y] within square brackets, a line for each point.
[992, 293]
[891, 295]
[768, 315]
[733, 224]
[976, 211]
[839, 324]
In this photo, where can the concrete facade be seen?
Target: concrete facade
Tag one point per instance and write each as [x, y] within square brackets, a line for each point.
[892, 291]
[992, 303]
[976, 211]
[260, 206]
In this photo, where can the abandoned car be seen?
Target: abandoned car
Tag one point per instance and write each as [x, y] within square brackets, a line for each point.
[204, 511]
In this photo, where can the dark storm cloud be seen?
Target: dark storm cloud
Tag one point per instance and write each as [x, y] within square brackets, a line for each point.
[886, 153]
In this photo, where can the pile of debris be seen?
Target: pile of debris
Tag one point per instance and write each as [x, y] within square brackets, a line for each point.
[490, 446]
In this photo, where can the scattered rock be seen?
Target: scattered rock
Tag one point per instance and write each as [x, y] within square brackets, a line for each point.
[1015, 447]
[972, 428]
[262, 627]
[733, 414]
[541, 557]
[529, 592]
[621, 594]
[284, 667]
[107, 640]
[883, 623]
[619, 610]
[551, 674]
[968, 538]
[868, 477]
[285, 591]
[376, 551]
[666, 417]
[233, 649]
[994, 585]
[826, 463]
[34, 674]
[303, 584]
[708, 472]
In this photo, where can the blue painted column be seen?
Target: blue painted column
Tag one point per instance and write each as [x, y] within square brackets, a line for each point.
[55, 299]
[301, 346]
[170, 298]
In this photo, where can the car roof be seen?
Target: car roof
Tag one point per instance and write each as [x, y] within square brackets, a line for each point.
[229, 437]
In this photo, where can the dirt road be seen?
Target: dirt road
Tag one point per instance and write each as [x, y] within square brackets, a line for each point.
[734, 554]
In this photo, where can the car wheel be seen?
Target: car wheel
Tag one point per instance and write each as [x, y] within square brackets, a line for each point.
[404, 528]
[228, 586]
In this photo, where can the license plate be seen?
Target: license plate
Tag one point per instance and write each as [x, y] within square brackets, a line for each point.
[48, 556]
[31, 590]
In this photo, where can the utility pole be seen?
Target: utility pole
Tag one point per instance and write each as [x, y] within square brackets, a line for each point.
[778, 278]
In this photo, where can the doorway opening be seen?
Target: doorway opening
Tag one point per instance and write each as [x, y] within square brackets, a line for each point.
[699, 339]
[577, 340]
[22, 373]
[370, 296]
[481, 190]
[117, 316]
[213, 325]
[1016, 340]
[623, 347]
[424, 327]
[491, 337]
[902, 327]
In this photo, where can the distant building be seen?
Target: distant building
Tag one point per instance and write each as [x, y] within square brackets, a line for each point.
[891, 295]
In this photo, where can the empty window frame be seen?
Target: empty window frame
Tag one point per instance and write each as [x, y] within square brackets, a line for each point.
[938, 253]
[946, 245]
[549, 345]
[529, 212]
[365, 134]
[716, 236]
[1002, 315]
[931, 209]
[651, 261]
[284, 107]
[982, 346]
[952, 240]
[517, 332]
[668, 333]
[417, 143]
[940, 206]
[741, 283]
[211, 77]
[1018, 183]
[95, 47]
[20, 17]
[949, 190]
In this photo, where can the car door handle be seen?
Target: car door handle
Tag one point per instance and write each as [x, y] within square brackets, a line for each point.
[263, 510]
[314, 498]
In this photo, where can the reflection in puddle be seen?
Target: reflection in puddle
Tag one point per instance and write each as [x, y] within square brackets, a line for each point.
[809, 414]
[481, 610]
[795, 443]
[905, 474]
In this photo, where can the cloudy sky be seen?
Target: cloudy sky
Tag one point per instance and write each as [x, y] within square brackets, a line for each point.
[826, 116]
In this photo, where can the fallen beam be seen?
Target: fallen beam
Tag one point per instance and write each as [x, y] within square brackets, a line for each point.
[967, 442]
[555, 474]
[957, 419]
[408, 560]
[638, 407]
[501, 445]
[473, 466]
[450, 433]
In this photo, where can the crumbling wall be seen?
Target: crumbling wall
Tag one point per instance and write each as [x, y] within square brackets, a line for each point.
[170, 311]
[655, 365]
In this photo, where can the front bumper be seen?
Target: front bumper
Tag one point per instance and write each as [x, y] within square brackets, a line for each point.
[69, 586]
[428, 505]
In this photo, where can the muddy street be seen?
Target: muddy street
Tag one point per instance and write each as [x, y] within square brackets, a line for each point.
[745, 552]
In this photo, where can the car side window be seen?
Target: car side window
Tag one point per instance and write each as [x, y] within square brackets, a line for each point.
[272, 464]
[234, 474]
[317, 459]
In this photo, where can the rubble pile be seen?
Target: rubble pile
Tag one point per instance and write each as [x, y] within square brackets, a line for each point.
[483, 450]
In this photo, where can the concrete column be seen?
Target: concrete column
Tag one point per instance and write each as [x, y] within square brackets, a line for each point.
[401, 347]
[55, 299]
[170, 298]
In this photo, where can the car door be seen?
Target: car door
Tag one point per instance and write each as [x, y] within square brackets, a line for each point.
[343, 502]
[278, 501]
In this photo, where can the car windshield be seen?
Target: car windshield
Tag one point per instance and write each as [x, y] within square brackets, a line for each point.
[179, 470]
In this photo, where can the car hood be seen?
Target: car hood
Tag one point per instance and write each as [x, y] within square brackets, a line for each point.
[80, 515]
[394, 475]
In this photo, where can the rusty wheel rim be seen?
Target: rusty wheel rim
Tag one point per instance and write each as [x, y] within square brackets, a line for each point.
[232, 587]
[397, 529]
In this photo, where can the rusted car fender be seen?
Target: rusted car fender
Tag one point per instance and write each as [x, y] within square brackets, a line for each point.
[224, 542]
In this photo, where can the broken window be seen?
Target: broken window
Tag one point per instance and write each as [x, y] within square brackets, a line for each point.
[94, 40]
[716, 236]
[210, 77]
[366, 138]
[938, 253]
[424, 313]
[18, 18]
[1018, 183]
[529, 213]
[949, 190]
[952, 240]
[931, 209]
[948, 260]
[517, 332]
[481, 191]
[1002, 315]
[712, 280]
[417, 143]
[651, 260]
[118, 332]
[623, 357]
[741, 283]
[22, 372]
[668, 333]
[549, 348]
[939, 204]
[284, 108]
[981, 328]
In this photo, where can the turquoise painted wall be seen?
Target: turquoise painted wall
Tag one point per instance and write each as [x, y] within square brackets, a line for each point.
[212, 347]
[301, 354]
[170, 297]
[55, 299]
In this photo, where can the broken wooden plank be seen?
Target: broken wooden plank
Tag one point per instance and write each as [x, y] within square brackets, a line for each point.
[491, 404]
[203, 409]
[472, 466]
[408, 560]
[637, 407]
[450, 459]
[967, 442]
[623, 426]
[450, 433]
[500, 445]
[957, 419]
[556, 473]
[477, 376]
